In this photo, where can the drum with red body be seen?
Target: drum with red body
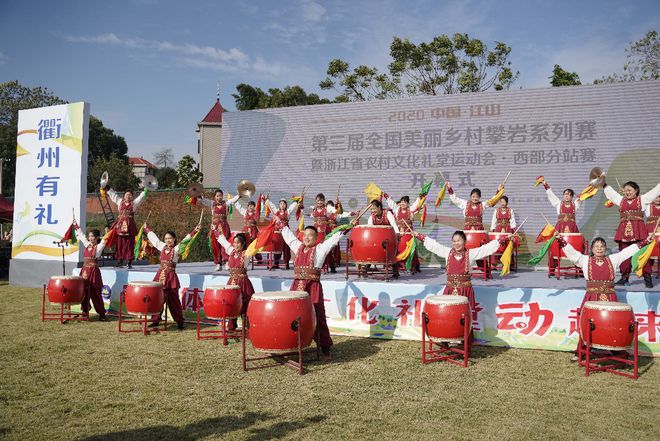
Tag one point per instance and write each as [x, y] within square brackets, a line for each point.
[373, 244]
[277, 243]
[144, 298]
[321, 237]
[272, 317]
[611, 324]
[222, 301]
[475, 238]
[575, 239]
[67, 290]
[495, 235]
[446, 317]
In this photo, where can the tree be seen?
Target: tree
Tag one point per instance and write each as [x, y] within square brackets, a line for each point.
[164, 157]
[445, 65]
[643, 61]
[167, 177]
[187, 172]
[561, 77]
[103, 142]
[15, 97]
[120, 173]
[250, 97]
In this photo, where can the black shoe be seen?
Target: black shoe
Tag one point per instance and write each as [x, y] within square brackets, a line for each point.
[119, 264]
[180, 326]
[153, 325]
[333, 270]
[622, 281]
[648, 282]
[129, 266]
[287, 266]
[103, 318]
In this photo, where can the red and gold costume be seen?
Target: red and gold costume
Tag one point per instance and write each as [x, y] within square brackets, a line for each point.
[474, 213]
[92, 275]
[125, 225]
[281, 218]
[652, 215]
[566, 211]
[219, 226]
[504, 220]
[404, 223]
[238, 263]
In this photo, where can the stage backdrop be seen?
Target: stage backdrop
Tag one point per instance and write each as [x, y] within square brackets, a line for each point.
[473, 139]
[51, 176]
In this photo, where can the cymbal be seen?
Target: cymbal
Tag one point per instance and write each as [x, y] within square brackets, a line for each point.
[195, 190]
[246, 188]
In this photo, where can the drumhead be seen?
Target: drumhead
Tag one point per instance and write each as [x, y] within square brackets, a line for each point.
[279, 295]
[447, 300]
[468, 232]
[496, 234]
[66, 277]
[145, 283]
[570, 234]
[214, 287]
[374, 226]
[607, 306]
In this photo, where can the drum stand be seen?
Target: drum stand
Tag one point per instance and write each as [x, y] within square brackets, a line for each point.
[64, 315]
[142, 319]
[222, 333]
[444, 352]
[368, 270]
[609, 363]
[284, 358]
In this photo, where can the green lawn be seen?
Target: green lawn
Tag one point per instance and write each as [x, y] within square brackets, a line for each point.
[85, 381]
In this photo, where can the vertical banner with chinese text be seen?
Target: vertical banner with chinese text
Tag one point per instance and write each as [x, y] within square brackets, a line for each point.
[51, 179]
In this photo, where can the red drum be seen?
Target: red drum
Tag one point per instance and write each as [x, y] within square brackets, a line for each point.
[611, 324]
[446, 314]
[368, 244]
[68, 290]
[277, 244]
[321, 237]
[223, 301]
[494, 235]
[272, 318]
[575, 239]
[144, 298]
[475, 238]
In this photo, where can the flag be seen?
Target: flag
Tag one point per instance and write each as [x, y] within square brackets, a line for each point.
[338, 229]
[340, 208]
[372, 191]
[588, 192]
[267, 211]
[231, 207]
[296, 199]
[538, 182]
[441, 195]
[102, 192]
[641, 257]
[186, 245]
[426, 188]
[408, 254]
[423, 219]
[138, 243]
[542, 252]
[70, 235]
[109, 237]
[301, 224]
[264, 237]
[492, 201]
[190, 201]
[547, 233]
[506, 258]
[608, 204]
[257, 207]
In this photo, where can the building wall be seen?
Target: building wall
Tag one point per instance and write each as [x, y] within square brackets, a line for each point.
[209, 155]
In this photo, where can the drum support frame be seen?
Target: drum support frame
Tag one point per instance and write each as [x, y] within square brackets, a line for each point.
[292, 360]
[609, 363]
[222, 333]
[64, 315]
[141, 319]
[361, 271]
[458, 355]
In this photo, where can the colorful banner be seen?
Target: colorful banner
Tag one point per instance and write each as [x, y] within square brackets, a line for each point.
[51, 180]
[533, 318]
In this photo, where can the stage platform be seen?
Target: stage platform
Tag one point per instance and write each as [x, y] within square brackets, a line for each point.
[525, 309]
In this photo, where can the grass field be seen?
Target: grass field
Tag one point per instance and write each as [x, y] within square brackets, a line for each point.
[85, 381]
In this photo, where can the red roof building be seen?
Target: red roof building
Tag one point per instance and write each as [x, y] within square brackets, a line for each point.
[209, 131]
[142, 167]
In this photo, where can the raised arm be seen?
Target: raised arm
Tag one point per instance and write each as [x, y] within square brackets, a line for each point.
[271, 206]
[390, 203]
[233, 200]
[224, 243]
[513, 220]
[649, 196]
[114, 196]
[324, 248]
[612, 195]
[390, 217]
[484, 250]
[493, 221]
[415, 206]
[81, 236]
[460, 203]
[435, 247]
[138, 200]
[552, 197]
[155, 242]
[241, 209]
[290, 239]
[622, 255]
[292, 208]
[575, 256]
[205, 202]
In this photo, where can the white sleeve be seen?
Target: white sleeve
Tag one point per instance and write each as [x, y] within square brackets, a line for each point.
[649, 196]
[99, 248]
[415, 206]
[647, 210]
[344, 215]
[612, 195]
[271, 206]
[138, 200]
[484, 250]
[513, 220]
[436, 248]
[460, 203]
[370, 220]
[241, 209]
[206, 202]
[578, 204]
[81, 237]
[330, 209]
[390, 203]
[622, 255]
[324, 248]
[233, 200]
[153, 239]
[229, 248]
[554, 200]
[290, 239]
[292, 208]
[114, 197]
[390, 217]
[493, 222]
[576, 257]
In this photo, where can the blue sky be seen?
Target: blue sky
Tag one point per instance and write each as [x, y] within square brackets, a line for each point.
[149, 68]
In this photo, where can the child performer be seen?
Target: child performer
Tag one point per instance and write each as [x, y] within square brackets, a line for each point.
[238, 263]
[90, 270]
[125, 224]
[219, 224]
